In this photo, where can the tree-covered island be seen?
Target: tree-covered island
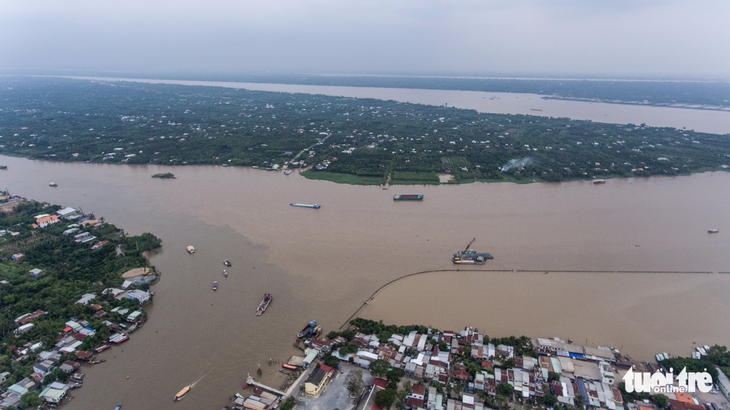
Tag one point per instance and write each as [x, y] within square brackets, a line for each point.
[164, 175]
[360, 141]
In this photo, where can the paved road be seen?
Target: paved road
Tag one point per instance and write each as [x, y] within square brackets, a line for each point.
[335, 395]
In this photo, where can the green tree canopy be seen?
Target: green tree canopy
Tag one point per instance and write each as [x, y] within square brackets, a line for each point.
[379, 368]
[385, 398]
[505, 389]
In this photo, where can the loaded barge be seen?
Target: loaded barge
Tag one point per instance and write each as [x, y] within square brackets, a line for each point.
[399, 197]
[468, 256]
[308, 330]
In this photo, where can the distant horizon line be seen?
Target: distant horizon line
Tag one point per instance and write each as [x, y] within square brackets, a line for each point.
[518, 77]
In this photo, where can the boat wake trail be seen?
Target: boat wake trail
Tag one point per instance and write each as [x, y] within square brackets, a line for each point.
[201, 378]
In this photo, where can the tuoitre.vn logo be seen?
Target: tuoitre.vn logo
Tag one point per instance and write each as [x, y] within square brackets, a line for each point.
[688, 382]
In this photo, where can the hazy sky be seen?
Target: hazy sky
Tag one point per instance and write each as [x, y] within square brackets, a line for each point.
[521, 37]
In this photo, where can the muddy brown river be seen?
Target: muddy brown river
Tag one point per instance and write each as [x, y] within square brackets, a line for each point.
[323, 264]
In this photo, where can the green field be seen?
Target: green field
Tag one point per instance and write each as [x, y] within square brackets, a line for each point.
[341, 178]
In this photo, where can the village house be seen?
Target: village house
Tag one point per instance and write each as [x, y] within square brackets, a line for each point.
[45, 220]
[317, 380]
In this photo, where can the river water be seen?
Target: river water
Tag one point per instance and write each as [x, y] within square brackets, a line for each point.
[716, 122]
[323, 264]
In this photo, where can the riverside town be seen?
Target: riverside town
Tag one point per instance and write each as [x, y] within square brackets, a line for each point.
[370, 366]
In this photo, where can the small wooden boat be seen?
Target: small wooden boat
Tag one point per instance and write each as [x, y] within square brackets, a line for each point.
[288, 366]
[182, 393]
[53, 184]
[264, 304]
[225, 273]
[227, 262]
[215, 285]
[191, 249]
[119, 407]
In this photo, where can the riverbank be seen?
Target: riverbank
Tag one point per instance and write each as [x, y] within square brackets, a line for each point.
[424, 367]
[348, 179]
[78, 287]
[689, 106]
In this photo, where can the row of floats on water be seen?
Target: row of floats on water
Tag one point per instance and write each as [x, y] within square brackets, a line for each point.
[265, 302]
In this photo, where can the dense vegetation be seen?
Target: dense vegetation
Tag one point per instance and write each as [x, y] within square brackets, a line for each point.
[69, 270]
[716, 356]
[345, 139]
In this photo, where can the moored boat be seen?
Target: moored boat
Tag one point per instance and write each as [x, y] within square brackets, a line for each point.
[215, 285]
[102, 348]
[191, 249]
[313, 206]
[287, 171]
[399, 197]
[309, 328]
[599, 181]
[264, 304]
[182, 393]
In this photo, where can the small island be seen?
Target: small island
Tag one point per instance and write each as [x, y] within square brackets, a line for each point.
[166, 175]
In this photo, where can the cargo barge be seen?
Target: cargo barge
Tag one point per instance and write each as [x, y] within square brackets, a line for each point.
[314, 206]
[472, 257]
[308, 329]
[399, 197]
[468, 256]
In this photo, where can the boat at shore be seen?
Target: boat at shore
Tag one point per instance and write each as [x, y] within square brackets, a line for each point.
[414, 197]
[308, 329]
[101, 348]
[182, 393]
[287, 171]
[264, 304]
[191, 249]
[313, 206]
[599, 181]
[468, 256]
[215, 285]
[713, 230]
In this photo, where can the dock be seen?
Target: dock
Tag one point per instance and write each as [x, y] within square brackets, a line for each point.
[251, 382]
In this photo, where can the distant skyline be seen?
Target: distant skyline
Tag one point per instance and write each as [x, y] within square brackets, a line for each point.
[621, 38]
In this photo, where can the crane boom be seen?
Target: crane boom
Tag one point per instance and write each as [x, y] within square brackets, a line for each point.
[467, 246]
